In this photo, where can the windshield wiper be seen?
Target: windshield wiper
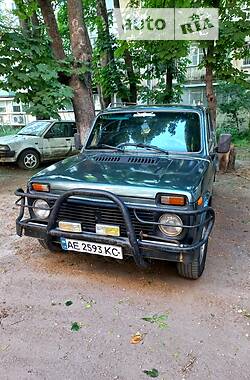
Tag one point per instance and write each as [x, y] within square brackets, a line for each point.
[26, 134]
[142, 145]
[117, 148]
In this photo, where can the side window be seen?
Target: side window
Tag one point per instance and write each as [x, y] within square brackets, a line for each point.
[70, 129]
[57, 130]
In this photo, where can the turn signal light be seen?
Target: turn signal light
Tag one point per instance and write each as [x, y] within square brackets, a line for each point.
[40, 187]
[173, 200]
[200, 201]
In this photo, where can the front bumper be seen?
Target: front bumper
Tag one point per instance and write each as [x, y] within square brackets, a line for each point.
[139, 248]
[7, 154]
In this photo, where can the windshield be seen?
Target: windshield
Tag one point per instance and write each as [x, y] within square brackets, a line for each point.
[173, 131]
[36, 128]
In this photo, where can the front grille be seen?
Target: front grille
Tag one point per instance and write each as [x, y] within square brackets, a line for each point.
[88, 215]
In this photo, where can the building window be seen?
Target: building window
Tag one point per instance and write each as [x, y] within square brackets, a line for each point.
[2, 106]
[194, 96]
[16, 107]
[246, 61]
[195, 56]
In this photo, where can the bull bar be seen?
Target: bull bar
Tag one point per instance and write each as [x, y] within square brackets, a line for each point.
[165, 250]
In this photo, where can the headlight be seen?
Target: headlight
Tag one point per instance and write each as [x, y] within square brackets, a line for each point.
[43, 211]
[4, 148]
[170, 219]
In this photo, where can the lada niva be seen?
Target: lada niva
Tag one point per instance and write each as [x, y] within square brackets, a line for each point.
[141, 186]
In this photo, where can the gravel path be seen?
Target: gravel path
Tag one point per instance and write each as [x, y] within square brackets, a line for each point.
[206, 334]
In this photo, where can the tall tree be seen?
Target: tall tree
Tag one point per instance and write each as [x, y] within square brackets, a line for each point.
[81, 83]
[164, 64]
[129, 66]
[79, 79]
[219, 55]
[106, 53]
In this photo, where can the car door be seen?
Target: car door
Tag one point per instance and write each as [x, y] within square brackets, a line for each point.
[71, 131]
[57, 141]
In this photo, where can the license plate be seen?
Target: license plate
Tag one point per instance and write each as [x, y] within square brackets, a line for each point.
[93, 248]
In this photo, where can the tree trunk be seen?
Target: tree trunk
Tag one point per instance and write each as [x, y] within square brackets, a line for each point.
[131, 75]
[107, 55]
[50, 21]
[168, 97]
[235, 115]
[211, 97]
[83, 99]
[81, 48]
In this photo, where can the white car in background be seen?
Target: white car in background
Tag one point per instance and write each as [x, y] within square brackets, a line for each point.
[39, 141]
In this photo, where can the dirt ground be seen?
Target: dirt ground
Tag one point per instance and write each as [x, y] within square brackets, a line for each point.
[207, 335]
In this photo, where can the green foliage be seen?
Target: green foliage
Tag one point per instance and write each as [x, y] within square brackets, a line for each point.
[75, 326]
[233, 30]
[159, 320]
[152, 372]
[29, 70]
[239, 138]
[62, 21]
[6, 130]
[235, 98]
[68, 303]
[234, 102]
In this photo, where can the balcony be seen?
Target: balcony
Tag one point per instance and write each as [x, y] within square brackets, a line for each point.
[194, 74]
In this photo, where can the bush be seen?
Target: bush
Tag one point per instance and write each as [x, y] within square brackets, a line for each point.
[6, 130]
[228, 126]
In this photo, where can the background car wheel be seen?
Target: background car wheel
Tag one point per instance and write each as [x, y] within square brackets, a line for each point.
[195, 269]
[28, 159]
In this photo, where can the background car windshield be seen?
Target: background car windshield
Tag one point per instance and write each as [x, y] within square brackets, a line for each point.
[173, 131]
[36, 128]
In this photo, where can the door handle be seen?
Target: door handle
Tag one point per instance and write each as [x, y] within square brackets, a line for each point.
[68, 139]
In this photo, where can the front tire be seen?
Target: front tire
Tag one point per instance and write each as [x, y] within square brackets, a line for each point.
[194, 269]
[29, 159]
[49, 246]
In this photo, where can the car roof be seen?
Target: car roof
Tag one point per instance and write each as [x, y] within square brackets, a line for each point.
[52, 121]
[154, 107]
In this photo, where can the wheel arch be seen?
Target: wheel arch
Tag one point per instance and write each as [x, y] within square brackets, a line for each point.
[27, 149]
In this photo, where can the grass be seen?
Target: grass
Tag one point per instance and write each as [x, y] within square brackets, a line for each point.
[242, 144]
[6, 130]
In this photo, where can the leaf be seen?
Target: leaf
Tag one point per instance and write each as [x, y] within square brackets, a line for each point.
[88, 305]
[159, 320]
[148, 319]
[136, 338]
[68, 303]
[75, 326]
[152, 372]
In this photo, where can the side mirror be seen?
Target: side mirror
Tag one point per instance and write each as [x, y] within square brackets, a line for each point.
[224, 143]
[77, 140]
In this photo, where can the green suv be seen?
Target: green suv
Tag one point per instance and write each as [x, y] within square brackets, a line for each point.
[141, 187]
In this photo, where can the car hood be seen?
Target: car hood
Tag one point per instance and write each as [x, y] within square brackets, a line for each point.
[7, 140]
[168, 174]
